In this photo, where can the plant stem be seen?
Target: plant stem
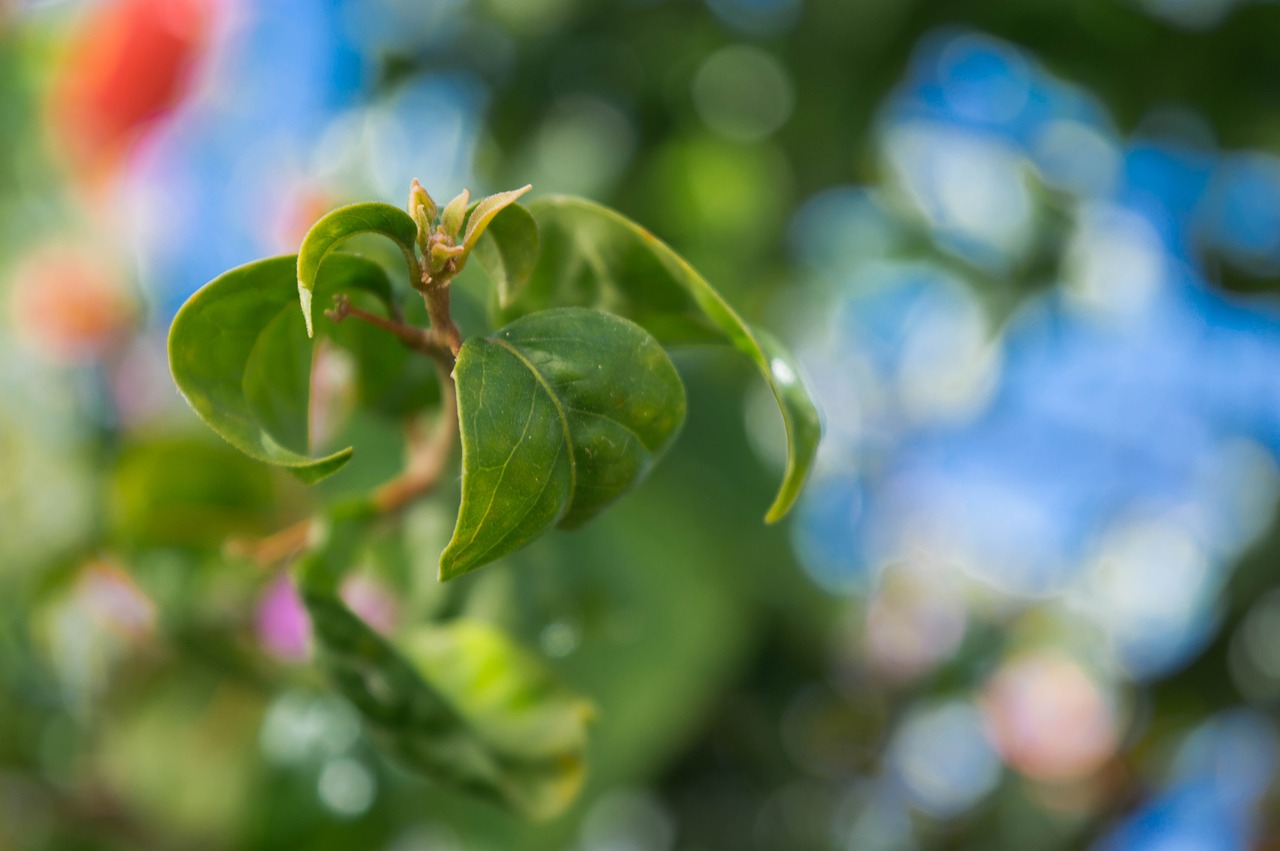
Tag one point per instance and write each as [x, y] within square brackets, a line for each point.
[431, 342]
[436, 295]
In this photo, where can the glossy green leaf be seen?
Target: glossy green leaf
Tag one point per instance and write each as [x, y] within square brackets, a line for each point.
[242, 360]
[462, 705]
[333, 228]
[592, 256]
[561, 413]
[508, 251]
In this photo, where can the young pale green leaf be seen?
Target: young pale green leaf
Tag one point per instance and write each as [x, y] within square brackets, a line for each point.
[594, 257]
[243, 362]
[343, 222]
[508, 250]
[179, 492]
[461, 705]
[453, 214]
[483, 213]
[561, 413]
[421, 206]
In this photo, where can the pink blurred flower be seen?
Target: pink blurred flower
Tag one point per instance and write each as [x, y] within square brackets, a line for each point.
[283, 625]
[284, 628]
[1048, 718]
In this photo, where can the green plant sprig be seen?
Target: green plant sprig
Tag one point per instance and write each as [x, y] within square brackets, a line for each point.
[560, 411]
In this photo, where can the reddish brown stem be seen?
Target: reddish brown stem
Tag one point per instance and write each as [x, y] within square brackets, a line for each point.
[442, 324]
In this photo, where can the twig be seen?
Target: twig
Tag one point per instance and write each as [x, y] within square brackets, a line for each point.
[436, 295]
[440, 342]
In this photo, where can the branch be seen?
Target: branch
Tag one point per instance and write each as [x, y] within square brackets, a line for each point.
[441, 344]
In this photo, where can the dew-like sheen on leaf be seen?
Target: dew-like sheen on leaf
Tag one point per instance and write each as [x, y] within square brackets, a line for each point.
[591, 256]
[243, 361]
[561, 413]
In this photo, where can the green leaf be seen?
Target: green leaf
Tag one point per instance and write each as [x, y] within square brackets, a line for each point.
[561, 413]
[453, 214]
[482, 214]
[592, 256]
[343, 222]
[242, 361]
[508, 251]
[186, 492]
[462, 705]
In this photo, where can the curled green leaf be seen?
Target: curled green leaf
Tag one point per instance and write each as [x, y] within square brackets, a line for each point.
[243, 363]
[333, 228]
[592, 256]
[452, 215]
[561, 413]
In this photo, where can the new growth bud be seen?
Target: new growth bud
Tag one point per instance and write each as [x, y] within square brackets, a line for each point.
[420, 200]
[441, 238]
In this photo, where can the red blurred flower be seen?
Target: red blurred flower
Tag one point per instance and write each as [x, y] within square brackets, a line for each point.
[130, 62]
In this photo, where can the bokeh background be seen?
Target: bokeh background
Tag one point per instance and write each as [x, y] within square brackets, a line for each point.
[1027, 252]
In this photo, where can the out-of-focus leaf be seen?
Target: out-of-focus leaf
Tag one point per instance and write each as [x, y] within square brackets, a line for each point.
[592, 256]
[561, 412]
[508, 251]
[459, 703]
[333, 228]
[512, 703]
[187, 492]
[471, 711]
[245, 368]
[211, 721]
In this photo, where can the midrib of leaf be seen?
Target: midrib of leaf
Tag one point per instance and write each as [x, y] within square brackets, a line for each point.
[560, 412]
[514, 529]
[506, 464]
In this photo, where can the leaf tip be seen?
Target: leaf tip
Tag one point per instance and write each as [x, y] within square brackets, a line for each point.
[304, 299]
[774, 514]
[782, 504]
[322, 468]
[457, 560]
[448, 568]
